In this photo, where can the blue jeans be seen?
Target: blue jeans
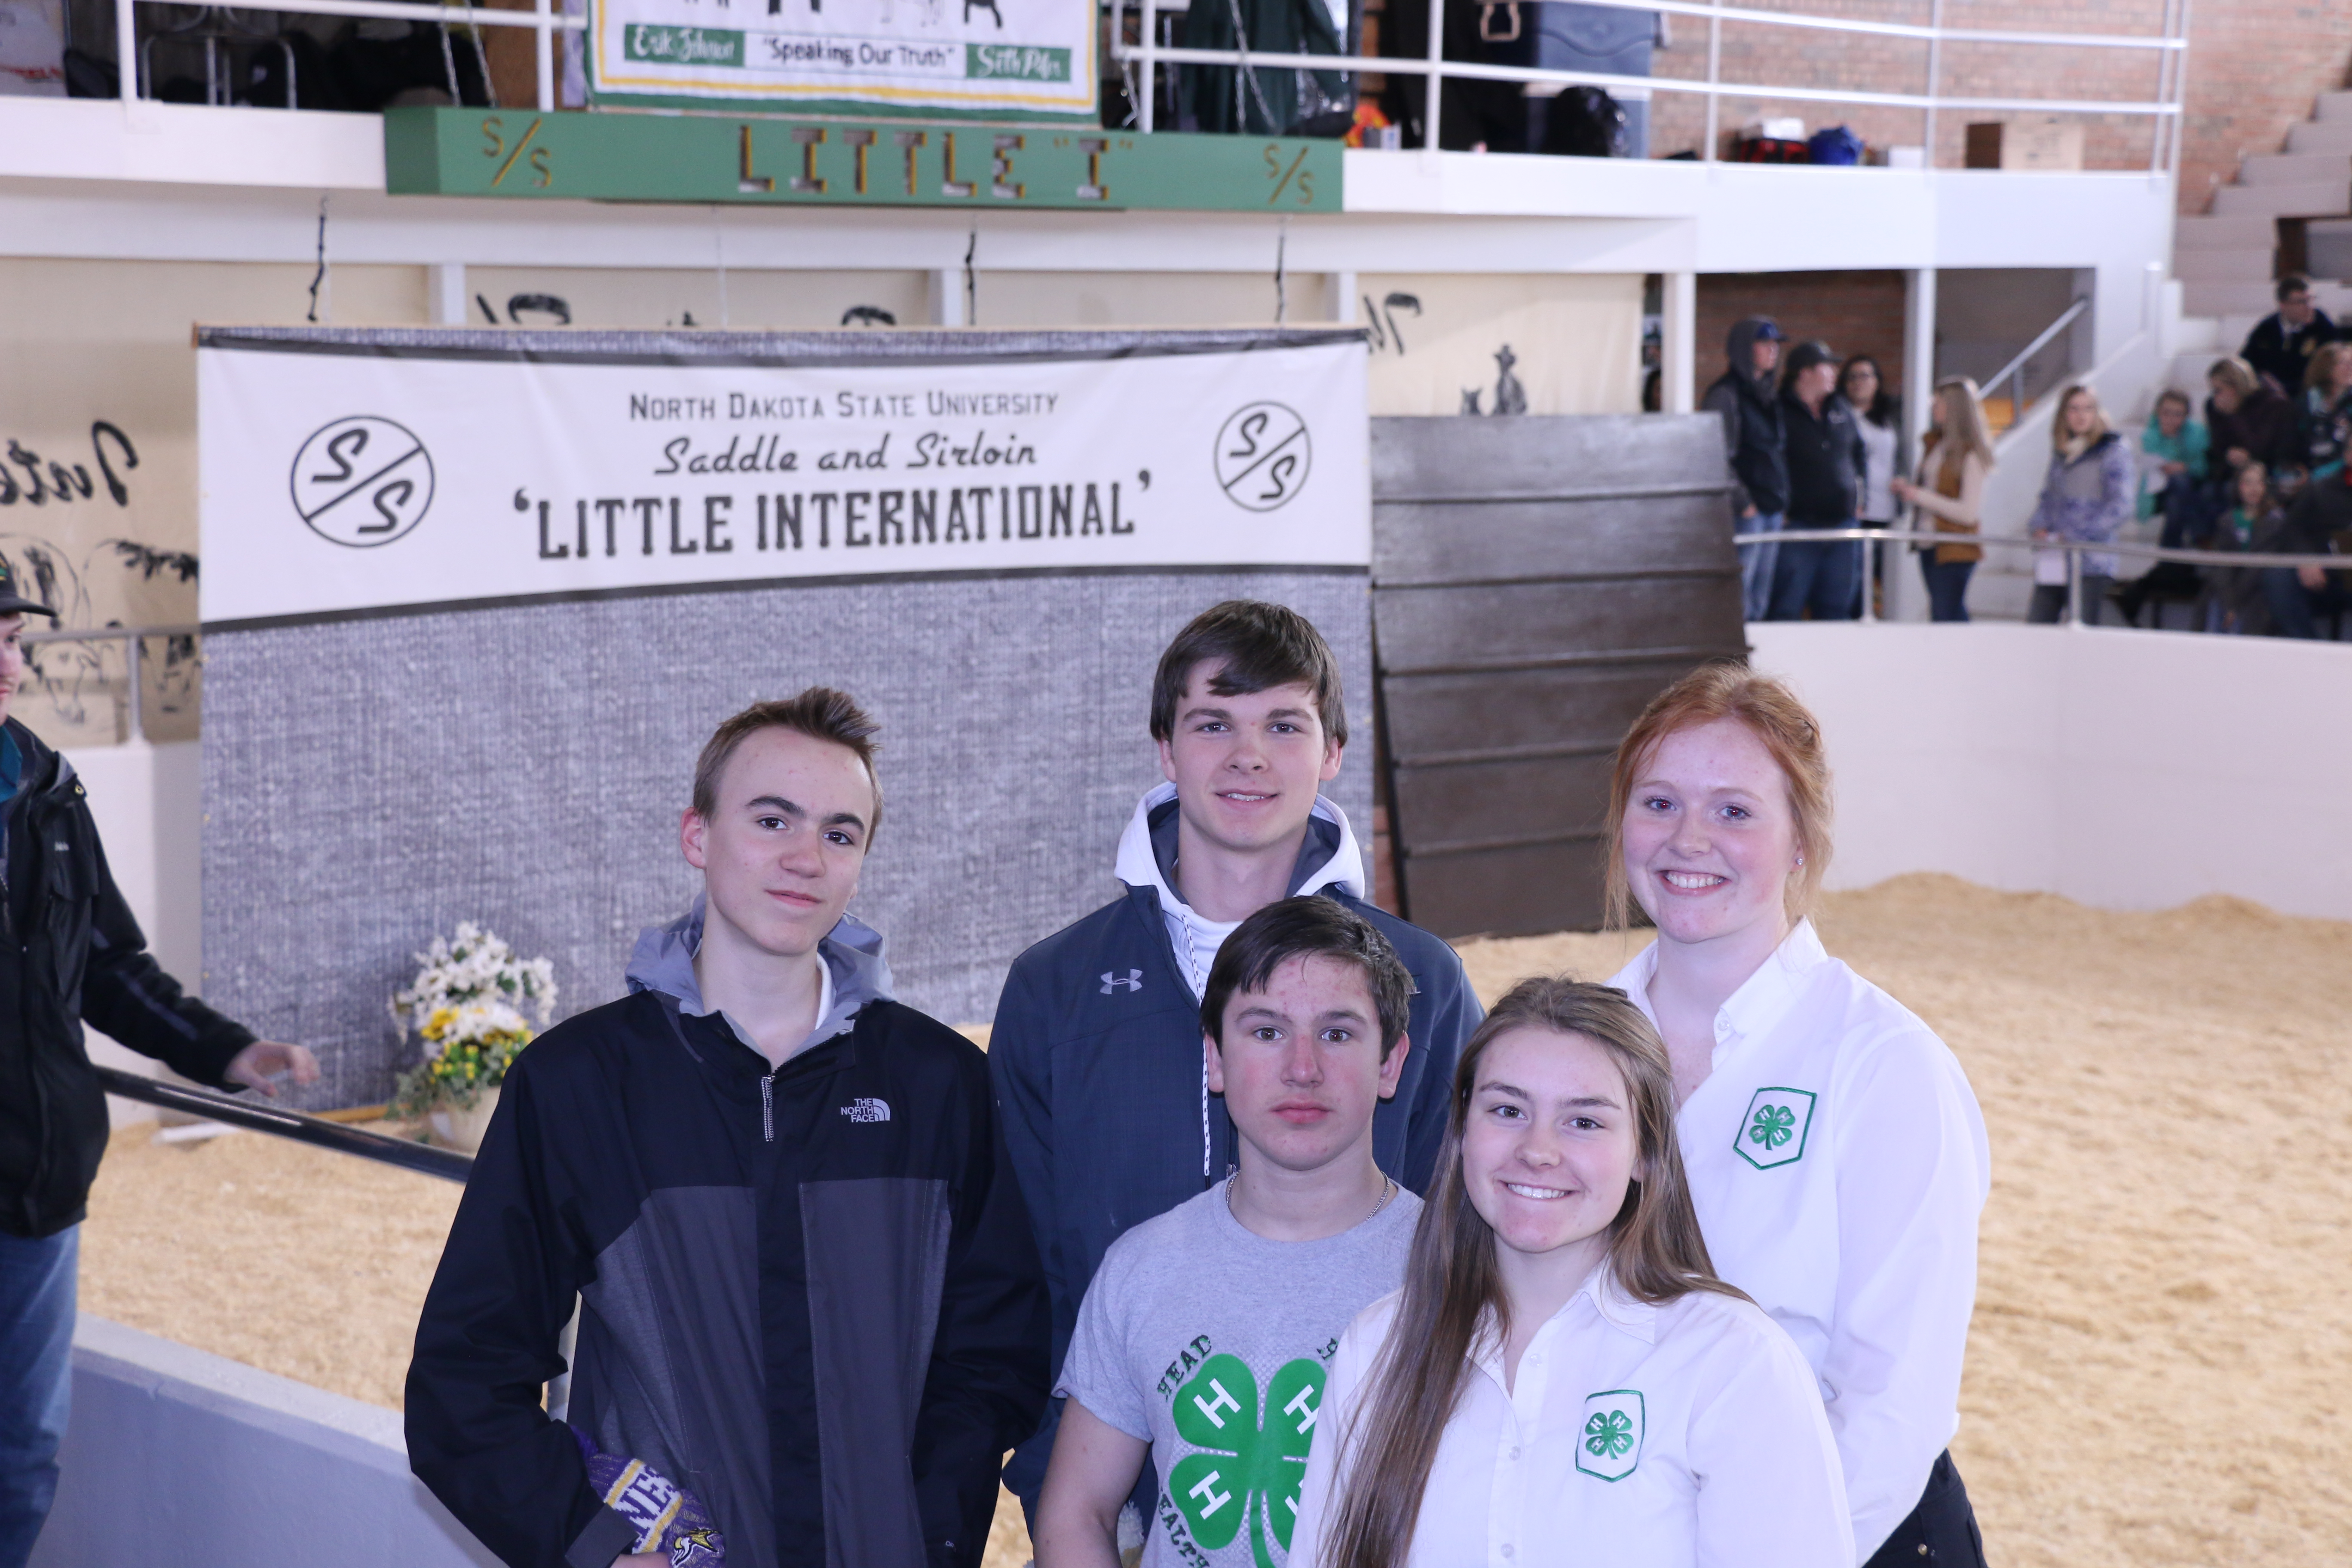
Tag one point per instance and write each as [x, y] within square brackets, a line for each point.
[1948, 587]
[37, 1323]
[2297, 609]
[1758, 562]
[1819, 576]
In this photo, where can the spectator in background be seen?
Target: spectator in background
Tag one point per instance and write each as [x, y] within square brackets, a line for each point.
[1878, 419]
[2233, 594]
[1824, 452]
[2172, 455]
[1956, 461]
[2086, 499]
[2247, 420]
[1743, 396]
[2324, 412]
[2315, 521]
[2283, 342]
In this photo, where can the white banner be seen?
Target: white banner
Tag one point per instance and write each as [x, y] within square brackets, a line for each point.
[1022, 57]
[350, 478]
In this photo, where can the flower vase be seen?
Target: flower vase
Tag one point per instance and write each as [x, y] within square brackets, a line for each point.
[462, 1129]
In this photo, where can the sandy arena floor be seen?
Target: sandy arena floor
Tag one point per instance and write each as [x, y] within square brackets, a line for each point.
[2161, 1362]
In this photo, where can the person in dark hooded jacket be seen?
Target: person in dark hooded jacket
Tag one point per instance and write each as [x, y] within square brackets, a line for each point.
[1755, 445]
[810, 1303]
[73, 954]
[1822, 447]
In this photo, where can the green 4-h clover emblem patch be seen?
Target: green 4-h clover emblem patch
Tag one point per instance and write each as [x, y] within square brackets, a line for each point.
[1251, 1468]
[1773, 1131]
[1609, 1443]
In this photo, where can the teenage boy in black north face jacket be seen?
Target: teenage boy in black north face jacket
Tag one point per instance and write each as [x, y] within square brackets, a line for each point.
[73, 954]
[1096, 1051]
[809, 1295]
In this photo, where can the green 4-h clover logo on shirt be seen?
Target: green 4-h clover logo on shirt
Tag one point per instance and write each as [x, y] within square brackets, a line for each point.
[1774, 1130]
[1609, 1443]
[1254, 1456]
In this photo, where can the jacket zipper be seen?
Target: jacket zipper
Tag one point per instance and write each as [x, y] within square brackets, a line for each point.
[768, 1108]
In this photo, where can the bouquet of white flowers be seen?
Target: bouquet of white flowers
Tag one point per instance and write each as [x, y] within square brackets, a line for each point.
[467, 1003]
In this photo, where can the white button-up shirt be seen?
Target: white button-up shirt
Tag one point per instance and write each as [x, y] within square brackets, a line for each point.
[1686, 1436]
[1838, 1162]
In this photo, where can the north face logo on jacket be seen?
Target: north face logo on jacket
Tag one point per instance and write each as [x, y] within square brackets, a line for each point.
[867, 1111]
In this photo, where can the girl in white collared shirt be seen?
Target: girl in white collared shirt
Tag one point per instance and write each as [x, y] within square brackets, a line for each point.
[1562, 1380]
[1836, 1155]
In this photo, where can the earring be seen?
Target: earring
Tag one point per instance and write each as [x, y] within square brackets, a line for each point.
[1800, 860]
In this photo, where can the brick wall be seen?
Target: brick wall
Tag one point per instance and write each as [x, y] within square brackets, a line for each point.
[1853, 312]
[2254, 67]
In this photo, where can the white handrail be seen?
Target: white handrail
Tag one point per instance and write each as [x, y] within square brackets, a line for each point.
[1356, 65]
[2074, 549]
[1847, 25]
[2170, 44]
[2073, 546]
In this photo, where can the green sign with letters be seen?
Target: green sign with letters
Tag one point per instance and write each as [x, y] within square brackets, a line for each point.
[779, 161]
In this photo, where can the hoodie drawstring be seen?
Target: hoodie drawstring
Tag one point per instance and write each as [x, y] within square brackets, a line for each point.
[1200, 977]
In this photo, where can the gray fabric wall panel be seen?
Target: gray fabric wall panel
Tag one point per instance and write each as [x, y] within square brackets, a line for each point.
[370, 782]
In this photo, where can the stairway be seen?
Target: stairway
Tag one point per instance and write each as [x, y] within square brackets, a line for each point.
[2226, 261]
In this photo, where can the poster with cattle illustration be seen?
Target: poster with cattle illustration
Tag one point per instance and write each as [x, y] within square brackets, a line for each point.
[1002, 59]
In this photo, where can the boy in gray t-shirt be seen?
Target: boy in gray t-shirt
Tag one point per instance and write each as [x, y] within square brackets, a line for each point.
[1206, 1336]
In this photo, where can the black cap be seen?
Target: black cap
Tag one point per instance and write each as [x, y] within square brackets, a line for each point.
[13, 602]
[1809, 353]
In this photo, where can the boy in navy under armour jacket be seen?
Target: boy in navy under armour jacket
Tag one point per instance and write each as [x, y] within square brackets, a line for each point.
[810, 1305]
[1100, 1079]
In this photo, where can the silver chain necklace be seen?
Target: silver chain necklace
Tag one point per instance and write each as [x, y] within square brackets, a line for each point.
[1388, 1191]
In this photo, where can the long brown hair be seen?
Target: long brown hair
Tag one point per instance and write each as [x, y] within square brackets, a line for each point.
[1960, 427]
[1728, 690]
[1453, 1289]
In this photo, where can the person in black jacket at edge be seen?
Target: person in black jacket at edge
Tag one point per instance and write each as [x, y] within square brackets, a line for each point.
[2319, 522]
[73, 955]
[1097, 1052]
[1826, 460]
[811, 1316]
[2281, 343]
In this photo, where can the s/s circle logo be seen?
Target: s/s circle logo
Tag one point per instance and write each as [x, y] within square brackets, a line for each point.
[1262, 456]
[363, 481]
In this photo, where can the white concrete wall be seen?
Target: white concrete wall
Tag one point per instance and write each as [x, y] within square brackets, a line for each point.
[2126, 770]
[175, 1456]
[147, 803]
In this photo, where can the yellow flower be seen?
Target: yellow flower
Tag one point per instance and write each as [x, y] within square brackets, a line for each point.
[437, 1023]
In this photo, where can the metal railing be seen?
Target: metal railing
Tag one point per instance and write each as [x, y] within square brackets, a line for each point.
[134, 649]
[2171, 45]
[2075, 551]
[317, 1131]
[542, 18]
[2014, 371]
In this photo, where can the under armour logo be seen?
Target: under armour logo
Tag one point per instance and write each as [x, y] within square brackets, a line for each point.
[867, 1111]
[1134, 981]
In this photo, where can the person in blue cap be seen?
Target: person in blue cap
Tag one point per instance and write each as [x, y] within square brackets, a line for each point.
[1754, 444]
